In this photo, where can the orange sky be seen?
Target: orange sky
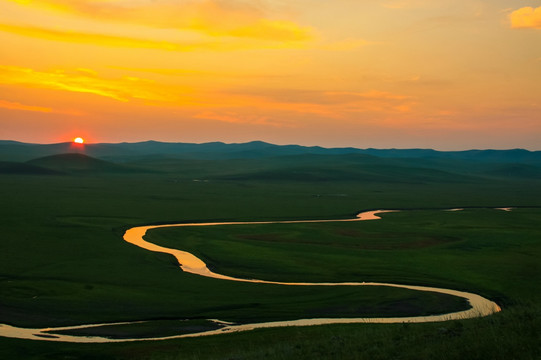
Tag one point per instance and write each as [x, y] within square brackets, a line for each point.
[450, 74]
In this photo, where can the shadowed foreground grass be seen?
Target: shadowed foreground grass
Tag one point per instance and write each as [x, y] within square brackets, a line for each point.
[512, 334]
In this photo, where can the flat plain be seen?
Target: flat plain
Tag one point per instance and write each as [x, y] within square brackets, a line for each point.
[63, 260]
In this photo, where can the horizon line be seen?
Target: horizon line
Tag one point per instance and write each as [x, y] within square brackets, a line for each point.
[267, 143]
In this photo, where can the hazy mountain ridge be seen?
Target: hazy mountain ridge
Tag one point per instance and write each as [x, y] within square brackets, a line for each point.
[123, 152]
[260, 161]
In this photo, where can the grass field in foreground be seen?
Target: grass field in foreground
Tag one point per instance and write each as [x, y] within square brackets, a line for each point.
[513, 334]
[63, 262]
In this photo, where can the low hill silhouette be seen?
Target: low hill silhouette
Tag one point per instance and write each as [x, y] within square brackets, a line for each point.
[132, 152]
[79, 163]
[310, 167]
[15, 168]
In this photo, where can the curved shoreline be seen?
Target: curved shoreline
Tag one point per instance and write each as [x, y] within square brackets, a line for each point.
[480, 306]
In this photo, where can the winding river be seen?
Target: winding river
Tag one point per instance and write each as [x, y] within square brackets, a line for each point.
[480, 306]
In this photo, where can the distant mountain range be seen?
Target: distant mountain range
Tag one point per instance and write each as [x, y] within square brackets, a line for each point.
[260, 161]
[130, 152]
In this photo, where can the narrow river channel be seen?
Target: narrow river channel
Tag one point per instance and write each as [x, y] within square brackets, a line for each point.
[480, 306]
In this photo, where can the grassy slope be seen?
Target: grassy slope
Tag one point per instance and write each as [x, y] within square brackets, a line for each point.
[70, 256]
[481, 250]
[80, 164]
[17, 168]
[61, 245]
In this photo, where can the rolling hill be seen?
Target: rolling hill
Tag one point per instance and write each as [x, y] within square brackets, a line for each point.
[73, 163]
[16, 168]
[260, 161]
[124, 152]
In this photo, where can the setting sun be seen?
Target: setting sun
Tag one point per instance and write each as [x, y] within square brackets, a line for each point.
[380, 73]
[79, 140]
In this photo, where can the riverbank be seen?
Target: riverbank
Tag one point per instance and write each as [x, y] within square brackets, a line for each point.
[480, 306]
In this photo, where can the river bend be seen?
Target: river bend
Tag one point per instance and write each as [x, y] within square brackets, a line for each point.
[480, 306]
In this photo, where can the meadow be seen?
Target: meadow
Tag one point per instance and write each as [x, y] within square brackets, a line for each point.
[63, 261]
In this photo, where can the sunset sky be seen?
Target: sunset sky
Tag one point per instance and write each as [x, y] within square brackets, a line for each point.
[449, 74]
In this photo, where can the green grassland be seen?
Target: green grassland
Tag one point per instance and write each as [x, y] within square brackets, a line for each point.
[461, 250]
[63, 261]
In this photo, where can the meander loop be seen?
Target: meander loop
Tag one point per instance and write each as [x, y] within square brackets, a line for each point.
[480, 306]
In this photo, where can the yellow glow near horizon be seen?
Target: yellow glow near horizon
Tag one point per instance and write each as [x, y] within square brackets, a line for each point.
[450, 74]
[78, 140]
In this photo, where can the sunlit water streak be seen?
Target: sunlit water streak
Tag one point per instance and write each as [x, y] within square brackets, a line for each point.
[191, 264]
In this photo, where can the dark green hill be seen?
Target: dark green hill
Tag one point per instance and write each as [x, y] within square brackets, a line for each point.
[336, 167]
[15, 168]
[348, 167]
[18, 151]
[516, 171]
[80, 163]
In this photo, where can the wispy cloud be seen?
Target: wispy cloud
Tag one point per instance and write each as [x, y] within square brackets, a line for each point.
[169, 72]
[372, 95]
[131, 42]
[13, 105]
[84, 81]
[97, 39]
[237, 117]
[289, 103]
[18, 106]
[402, 4]
[259, 106]
[526, 17]
[347, 44]
[331, 98]
[217, 18]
